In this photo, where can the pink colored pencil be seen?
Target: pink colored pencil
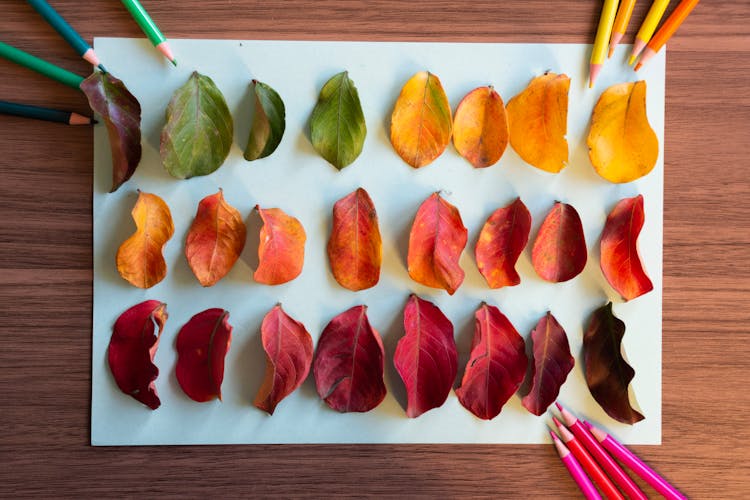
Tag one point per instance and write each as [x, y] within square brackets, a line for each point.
[635, 464]
[615, 472]
[576, 472]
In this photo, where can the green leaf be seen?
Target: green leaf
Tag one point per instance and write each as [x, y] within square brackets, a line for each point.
[337, 125]
[268, 123]
[198, 134]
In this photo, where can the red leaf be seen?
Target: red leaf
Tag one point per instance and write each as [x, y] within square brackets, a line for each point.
[132, 348]
[559, 252]
[503, 238]
[289, 352]
[348, 365]
[281, 251]
[552, 363]
[607, 373]
[437, 238]
[426, 357]
[620, 261]
[202, 345]
[496, 367]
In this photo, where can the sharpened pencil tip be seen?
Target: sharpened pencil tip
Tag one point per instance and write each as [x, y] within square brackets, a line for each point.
[638, 66]
[557, 422]
[102, 69]
[559, 406]
[174, 62]
[631, 60]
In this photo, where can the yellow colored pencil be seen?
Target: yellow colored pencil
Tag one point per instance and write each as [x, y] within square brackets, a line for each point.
[648, 27]
[599, 52]
[621, 24]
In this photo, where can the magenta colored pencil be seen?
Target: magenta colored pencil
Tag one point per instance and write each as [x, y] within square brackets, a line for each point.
[575, 469]
[635, 464]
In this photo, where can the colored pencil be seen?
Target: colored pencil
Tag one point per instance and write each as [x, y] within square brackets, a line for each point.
[599, 52]
[680, 13]
[588, 463]
[48, 114]
[575, 470]
[608, 464]
[18, 56]
[66, 31]
[648, 27]
[621, 24]
[635, 464]
[149, 28]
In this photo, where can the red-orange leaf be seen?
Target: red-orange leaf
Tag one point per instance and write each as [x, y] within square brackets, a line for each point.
[503, 238]
[480, 128]
[437, 238]
[559, 252]
[202, 345]
[281, 252]
[215, 240]
[496, 366]
[289, 352]
[132, 348]
[354, 249]
[620, 261]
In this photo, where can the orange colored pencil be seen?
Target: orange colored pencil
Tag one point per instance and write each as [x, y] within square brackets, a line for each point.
[621, 24]
[667, 30]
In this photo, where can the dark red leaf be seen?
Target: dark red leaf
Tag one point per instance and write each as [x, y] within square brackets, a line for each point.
[132, 348]
[496, 367]
[559, 252]
[426, 357]
[348, 365]
[202, 345]
[552, 363]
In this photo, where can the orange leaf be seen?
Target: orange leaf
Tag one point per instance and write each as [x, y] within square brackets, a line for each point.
[354, 249]
[281, 252]
[480, 128]
[559, 252]
[421, 120]
[437, 238]
[538, 119]
[139, 258]
[622, 145]
[215, 239]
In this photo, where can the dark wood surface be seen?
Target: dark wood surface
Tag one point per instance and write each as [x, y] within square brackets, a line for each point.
[46, 276]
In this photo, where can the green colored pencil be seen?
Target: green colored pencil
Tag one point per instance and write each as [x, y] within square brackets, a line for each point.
[18, 56]
[149, 27]
[48, 114]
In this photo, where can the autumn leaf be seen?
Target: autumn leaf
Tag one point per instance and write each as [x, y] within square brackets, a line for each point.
[607, 373]
[538, 121]
[421, 120]
[198, 134]
[480, 128]
[139, 258]
[437, 238]
[501, 241]
[121, 113]
[426, 357]
[354, 248]
[132, 347]
[289, 353]
[622, 145]
[202, 344]
[620, 261]
[337, 124]
[348, 365]
[551, 365]
[559, 252]
[269, 122]
[281, 252]
[496, 366]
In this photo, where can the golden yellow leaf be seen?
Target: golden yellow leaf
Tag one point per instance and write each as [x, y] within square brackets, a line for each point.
[480, 127]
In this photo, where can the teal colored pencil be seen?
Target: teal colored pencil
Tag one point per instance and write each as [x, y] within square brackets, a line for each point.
[47, 114]
[18, 56]
[149, 28]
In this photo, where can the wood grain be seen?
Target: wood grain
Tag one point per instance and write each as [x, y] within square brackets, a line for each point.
[45, 264]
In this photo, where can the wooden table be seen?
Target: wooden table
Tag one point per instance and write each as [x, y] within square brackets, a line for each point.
[45, 264]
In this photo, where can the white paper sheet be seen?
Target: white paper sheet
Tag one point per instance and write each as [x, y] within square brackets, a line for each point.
[296, 179]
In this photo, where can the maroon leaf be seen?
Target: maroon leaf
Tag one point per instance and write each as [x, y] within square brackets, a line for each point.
[121, 113]
[552, 363]
[496, 367]
[289, 352]
[607, 373]
[348, 365]
[426, 357]
[132, 347]
[202, 345]
[559, 252]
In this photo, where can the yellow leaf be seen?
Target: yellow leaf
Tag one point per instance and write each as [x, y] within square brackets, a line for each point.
[480, 128]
